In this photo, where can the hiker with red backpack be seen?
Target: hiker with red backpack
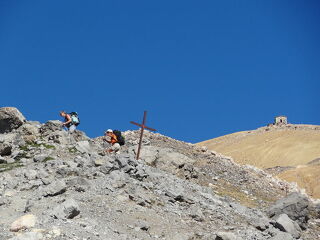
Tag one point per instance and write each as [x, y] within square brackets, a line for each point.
[115, 139]
[71, 120]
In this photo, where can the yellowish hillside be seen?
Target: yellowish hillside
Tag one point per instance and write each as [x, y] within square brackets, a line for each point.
[307, 177]
[290, 145]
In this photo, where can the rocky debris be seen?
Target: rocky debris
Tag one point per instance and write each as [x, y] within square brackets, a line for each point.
[55, 188]
[28, 236]
[10, 118]
[24, 222]
[295, 205]
[67, 210]
[285, 224]
[175, 191]
[164, 158]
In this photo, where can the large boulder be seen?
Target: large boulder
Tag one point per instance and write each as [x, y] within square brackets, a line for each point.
[285, 224]
[67, 210]
[51, 126]
[295, 205]
[55, 188]
[10, 118]
[30, 128]
[5, 149]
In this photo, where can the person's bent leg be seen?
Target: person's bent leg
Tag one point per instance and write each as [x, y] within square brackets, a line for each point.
[115, 147]
[72, 128]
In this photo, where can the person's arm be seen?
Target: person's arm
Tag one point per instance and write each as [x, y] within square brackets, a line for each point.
[107, 139]
[68, 120]
[114, 139]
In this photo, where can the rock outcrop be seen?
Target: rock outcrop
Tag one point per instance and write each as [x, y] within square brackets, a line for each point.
[10, 118]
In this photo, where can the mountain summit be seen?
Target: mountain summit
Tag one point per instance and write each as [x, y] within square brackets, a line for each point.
[55, 185]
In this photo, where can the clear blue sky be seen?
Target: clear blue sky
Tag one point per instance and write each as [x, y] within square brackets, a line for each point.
[202, 69]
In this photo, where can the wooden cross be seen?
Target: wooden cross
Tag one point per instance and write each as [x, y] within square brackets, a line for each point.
[143, 126]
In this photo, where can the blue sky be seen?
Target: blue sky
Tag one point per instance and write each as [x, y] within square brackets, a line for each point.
[202, 69]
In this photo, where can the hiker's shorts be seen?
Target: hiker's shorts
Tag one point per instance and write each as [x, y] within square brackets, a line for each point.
[115, 147]
[72, 128]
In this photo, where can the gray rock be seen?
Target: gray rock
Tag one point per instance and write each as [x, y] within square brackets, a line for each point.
[100, 161]
[31, 174]
[10, 160]
[149, 154]
[60, 137]
[55, 188]
[261, 224]
[282, 236]
[139, 173]
[164, 158]
[24, 222]
[51, 126]
[108, 167]
[196, 214]
[30, 129]
[10, 118]
[167, 156]
[8, 137]
[285, 224]
[2, 160]
[226, 236]
[122, 160]
[4, 201]
[83, 147]
[5, 149]
[40, 158]
[295, 206]
[79, 184]
[67, 210]
[119, 179]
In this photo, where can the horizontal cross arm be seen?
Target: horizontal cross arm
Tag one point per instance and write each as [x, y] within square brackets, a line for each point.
[151, 129]
[140, 125]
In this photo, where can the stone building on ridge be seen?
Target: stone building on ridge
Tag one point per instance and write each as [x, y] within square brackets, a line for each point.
[280, 120]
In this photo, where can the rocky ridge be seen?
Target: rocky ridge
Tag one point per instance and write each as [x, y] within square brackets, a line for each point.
[59, 186]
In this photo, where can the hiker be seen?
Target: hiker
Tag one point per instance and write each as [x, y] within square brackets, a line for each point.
[71, 120]
[112, 139]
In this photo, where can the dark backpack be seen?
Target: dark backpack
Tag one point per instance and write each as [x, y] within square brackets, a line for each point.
[119, 137]
[75, 118]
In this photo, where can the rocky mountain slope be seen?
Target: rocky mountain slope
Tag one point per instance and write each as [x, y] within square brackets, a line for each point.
[289, 151]
[59, 186]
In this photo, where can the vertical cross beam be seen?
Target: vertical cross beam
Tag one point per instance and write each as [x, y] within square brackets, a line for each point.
[143, 126]
[141, 134]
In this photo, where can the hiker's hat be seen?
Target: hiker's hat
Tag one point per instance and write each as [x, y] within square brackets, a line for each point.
[109, 130]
